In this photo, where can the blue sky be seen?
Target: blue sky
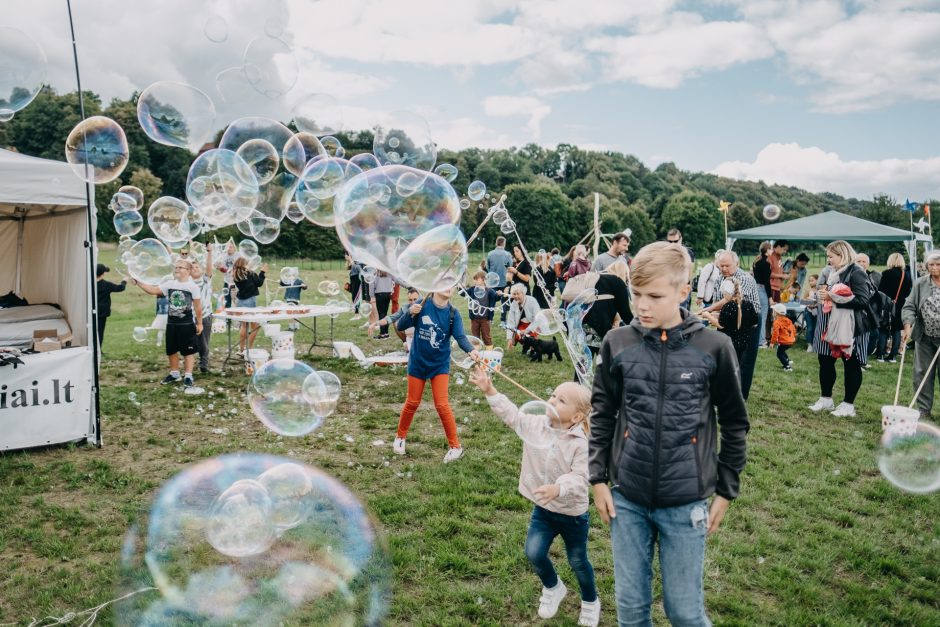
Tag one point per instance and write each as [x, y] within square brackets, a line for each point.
[826, 95]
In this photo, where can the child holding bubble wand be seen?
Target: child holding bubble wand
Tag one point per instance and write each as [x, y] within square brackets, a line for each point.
[554, 476]
[435, 321]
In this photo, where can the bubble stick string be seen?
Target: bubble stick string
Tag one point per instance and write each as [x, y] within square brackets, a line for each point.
[491, 368]
[897, 388]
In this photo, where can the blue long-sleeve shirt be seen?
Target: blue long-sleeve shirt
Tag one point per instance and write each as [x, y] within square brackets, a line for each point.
[430, 349]
[497, 261]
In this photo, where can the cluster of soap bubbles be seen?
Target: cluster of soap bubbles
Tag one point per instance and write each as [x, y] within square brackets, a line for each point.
[254, 539]
[291, 398]
[126, 204]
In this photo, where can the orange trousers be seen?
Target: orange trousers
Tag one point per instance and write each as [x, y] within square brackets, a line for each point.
[441, 404]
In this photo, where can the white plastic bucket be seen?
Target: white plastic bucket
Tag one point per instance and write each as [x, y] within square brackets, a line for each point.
[271, 330]
[493, 359]
[899, 419]
[282, 342]
[255, 358]
[343, 350]
[283, 354]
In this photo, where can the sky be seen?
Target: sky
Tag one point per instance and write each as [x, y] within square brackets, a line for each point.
[823, 95]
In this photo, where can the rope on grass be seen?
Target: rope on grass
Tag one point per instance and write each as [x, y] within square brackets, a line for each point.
[88, 616]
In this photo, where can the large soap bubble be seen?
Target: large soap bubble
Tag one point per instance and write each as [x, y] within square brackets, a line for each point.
[254, 539]
[365, 161]
[176, 114]
[131, 198]
[320, 182]
[538, 424]
[279, 396]
[300, 150]
[404, 138]
[446, 171]
[910, 457]
[248, 128]
[22, 71]
[149, 261]
[318, 114]
[322, 390]
[476, 190]
[270, 66]
[248, 248]
[436, 260]
[771, 212]
[276, 196]
[548, 321]
[222, 188]
[168, 219]
[261, 157]
[97, 150]
[462, 359]
[265, 229]
[232, 85]
[128, 223]
[380, 212]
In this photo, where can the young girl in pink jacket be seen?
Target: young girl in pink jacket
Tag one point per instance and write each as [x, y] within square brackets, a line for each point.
[554, 477]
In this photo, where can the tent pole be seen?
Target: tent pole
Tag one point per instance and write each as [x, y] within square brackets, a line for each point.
[90, 247]
[597, 222]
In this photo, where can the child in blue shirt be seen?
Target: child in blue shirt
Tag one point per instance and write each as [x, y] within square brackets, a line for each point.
[435, 321]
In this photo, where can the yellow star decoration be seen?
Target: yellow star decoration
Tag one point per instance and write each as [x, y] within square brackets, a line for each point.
[724, 205]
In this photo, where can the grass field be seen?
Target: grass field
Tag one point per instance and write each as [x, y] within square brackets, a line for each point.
[816, 537]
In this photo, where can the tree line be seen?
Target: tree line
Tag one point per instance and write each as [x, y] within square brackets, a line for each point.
[550, 192]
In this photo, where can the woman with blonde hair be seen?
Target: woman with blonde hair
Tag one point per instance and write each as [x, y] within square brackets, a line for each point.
[842, 330]
[896, 283]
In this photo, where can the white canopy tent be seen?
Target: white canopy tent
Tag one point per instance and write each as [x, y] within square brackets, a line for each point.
[47, 239]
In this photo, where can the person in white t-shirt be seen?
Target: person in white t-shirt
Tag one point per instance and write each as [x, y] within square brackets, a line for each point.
[184, 320]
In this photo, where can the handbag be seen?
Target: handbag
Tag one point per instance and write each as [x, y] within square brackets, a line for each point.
[347, 287]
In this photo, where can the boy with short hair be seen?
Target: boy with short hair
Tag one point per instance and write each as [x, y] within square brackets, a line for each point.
[654, 435]
[184, 320]
[105, 289]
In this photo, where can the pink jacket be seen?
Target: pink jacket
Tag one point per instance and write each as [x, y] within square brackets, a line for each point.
[548, 456]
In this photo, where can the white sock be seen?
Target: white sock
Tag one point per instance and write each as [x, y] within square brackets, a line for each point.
[174, 373]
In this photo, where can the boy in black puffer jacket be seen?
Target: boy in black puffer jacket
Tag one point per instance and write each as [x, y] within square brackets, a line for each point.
[654, 437]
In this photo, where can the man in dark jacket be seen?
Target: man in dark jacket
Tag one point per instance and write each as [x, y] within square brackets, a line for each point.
[105, 289]
[654, 438]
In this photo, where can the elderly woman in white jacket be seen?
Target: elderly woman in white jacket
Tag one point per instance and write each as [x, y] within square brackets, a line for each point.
[708, 281]
[522, 311]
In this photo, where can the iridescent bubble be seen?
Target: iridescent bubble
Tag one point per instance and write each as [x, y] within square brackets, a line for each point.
[771, 212]
[319, 183]
[300, 150]
[265, 229]
[476, 190]
[276, 396]
[491, 280]
[322, 390]
[337, 304]
[167, 218]
[435, 260]
[254, 263]
[22, 71]
[176, 114]
[324, 287]
[216, 29]
[548, 321]
[332, 146]
[244, 227]
[261, 157]
[248, 248]
[367, 275]
[149, 261]
[200, 548]
[140, 334]
[508, 227]
[128, 223]
[479, 292]
[500, 216]
[365, 161]
[408, 136]
[232, 85]
[135, 194]
[294, 213]
[289, 274]
[446, 171]
[376, 224]
[319, 114]
[462, 359]
[222, 188]
[97, 150]
[270, 66]
[248, 128]
[365, 308]
[121, 202]
[538, 424]
[464, 203]
[276, 196]
[910, 457]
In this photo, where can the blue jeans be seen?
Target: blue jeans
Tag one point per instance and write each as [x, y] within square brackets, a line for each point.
[543, 528]
[680, 532]
[883, 344]
[809, 320]
[764, 310]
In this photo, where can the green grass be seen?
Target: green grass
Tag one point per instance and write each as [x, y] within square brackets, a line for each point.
[816, 537]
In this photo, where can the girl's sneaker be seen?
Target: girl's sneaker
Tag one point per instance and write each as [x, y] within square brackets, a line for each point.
[551, 598]
[821, 404]
[453, 455]
[844, 409]
[398, 447]
[590, 613]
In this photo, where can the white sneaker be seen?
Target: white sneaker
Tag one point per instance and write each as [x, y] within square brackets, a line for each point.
[844, 409]
[590, 613]
[551, 599]
[453, 455]
[821, 404]
[398, 447]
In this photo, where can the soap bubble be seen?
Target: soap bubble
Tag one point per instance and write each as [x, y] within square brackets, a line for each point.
[325, 562]
[299, 150]
[446, 171]
[464, 203]
[336, 304]
[537, 426]
[367, 275]
[232, 85]
[910, 459]
[270, 66]
[261, 157]
[248, 128]
[403, 138]
[276, 196]
[319, 183]
[248, 248]
[491, 280]
[222, 188]
[149, 261]
[265, 229]
[328, 288]
[499, 216]
[167, 217]
[277, 397]
[134, 194]
[216, 29]
[294, 213]
[22, 71]
[462, 359]
[128, 223]
[365, 161]
[140, 334]
[548, 322]
[479, 291]
[436, 260]
[508, 227]
[324, 395]
[244, 227]
[254, 263]
[332, 146]
[476, 190]
[289, 274]
[376, 223]
[365, 308]
[318, 114]
[176, 114]
[97, 150]
[771, 212]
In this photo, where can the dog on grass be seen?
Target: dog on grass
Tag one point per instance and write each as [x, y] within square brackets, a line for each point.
[536, 348]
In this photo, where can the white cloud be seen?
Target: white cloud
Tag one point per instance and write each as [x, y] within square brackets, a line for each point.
[512, 106]
[816, 170]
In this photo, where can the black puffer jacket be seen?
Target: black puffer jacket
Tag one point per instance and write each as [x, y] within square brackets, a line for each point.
[653, 423]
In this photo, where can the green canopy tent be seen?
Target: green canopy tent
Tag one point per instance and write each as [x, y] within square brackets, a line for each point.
[830, 225]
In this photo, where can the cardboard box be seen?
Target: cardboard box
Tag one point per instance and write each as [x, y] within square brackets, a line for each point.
[45, 340]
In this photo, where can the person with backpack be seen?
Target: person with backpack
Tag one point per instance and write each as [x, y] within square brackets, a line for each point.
[708, 281]
[896, 285]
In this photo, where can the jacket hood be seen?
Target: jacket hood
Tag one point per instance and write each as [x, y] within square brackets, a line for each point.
[677, 335]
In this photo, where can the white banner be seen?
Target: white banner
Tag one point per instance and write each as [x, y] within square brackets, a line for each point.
[48, 400]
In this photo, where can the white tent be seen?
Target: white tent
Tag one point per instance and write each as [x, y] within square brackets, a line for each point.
[47, 239]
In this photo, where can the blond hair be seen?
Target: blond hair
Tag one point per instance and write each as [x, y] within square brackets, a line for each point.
[844, 250]
[582, 403]
[896, 260]
[661, 259]
[618, 269]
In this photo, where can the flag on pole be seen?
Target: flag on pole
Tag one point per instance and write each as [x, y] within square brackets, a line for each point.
[910, 206]
[927, 210]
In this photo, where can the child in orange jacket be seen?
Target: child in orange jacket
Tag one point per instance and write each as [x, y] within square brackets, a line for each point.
[783, 335]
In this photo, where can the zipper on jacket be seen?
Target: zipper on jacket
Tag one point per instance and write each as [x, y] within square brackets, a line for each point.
[664, 337]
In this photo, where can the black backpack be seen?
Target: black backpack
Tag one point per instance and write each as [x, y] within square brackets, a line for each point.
[882, 307]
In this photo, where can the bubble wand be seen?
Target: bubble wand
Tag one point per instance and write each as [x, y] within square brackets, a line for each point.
[491, 368]
[923, 381]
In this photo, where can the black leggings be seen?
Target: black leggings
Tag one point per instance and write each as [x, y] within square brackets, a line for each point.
[827, 376]
[382, 300]
[354, 285]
